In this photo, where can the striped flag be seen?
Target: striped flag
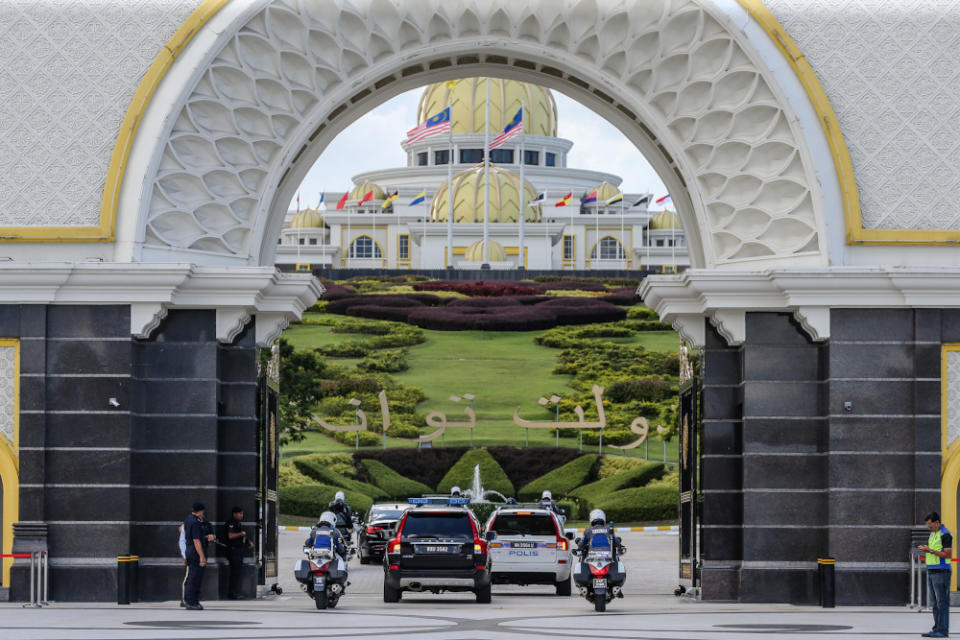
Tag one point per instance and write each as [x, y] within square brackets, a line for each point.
[540, 199]
[564, 201]
[321, 206]
[664, 201]
[439, 123]
[390, 199]
[591, 197]
[420, 198]
[644, 200]
[614, 199]
[514, 127]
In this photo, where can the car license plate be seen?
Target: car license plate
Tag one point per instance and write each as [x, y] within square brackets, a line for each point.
[438, 548]
[523, 545]
[599, 583]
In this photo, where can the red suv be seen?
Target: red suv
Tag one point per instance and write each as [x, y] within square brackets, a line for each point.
[437, 548]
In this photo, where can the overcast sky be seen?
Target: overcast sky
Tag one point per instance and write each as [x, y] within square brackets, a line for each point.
[598, 145]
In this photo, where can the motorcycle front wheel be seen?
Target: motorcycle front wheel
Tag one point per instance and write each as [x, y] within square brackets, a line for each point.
[600, 603]
[320, 597]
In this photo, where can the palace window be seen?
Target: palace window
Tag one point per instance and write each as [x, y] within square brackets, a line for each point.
[365, 247]
[531, 157]
[550, 159]
[569, 242]
[300, 240]
[441, 157]
[403, 247]
[659, 243]
[422, 159]
[610, 249]
[503, 156]
[313, 241]
[471, 156]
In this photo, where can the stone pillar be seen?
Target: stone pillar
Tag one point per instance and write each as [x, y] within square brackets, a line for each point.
[721, 448]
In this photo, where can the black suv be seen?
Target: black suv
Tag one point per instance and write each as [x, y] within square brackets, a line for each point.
[437, 548]
[379, 526]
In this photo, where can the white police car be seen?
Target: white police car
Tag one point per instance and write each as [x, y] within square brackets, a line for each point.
[530, 547]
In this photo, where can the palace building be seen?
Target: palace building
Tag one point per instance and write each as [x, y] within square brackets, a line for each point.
[610, 230]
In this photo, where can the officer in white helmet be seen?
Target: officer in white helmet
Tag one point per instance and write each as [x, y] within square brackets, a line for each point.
[327, 526]
[598, 527]
[546, 502]
[455, 492]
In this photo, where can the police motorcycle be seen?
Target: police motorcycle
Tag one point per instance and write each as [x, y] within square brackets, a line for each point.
[323, 573]
[599, 574]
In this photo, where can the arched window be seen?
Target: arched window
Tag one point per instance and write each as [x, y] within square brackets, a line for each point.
[610, 249]
[365, 247]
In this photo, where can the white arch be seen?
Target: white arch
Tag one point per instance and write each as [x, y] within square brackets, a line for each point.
[264, 87]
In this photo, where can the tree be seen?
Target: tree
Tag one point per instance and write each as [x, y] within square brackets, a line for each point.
[301, 372]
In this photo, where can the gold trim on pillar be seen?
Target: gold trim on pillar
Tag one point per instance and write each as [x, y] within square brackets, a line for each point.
[104, 230]
[950, 457]
[10, 468]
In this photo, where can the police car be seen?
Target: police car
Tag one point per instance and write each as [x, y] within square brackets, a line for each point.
[530, 547]
[439, 546]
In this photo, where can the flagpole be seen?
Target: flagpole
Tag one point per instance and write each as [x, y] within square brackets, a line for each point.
[449, 183]
[523, 117]
[673, 244]
[646, 209]
[299, 226]
[347, 263]
[323, 225]
[626, 263]
[546, 236]
[423, 238]
[486, 192]
[596, 226]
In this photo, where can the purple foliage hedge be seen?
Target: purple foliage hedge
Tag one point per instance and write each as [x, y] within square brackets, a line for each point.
[625, 297]
[504, 318]
[375, 312]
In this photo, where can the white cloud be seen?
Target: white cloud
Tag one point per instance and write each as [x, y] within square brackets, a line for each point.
[373, 142]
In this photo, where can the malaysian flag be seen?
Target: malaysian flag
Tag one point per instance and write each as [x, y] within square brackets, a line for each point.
[513, 128]
[439, 123]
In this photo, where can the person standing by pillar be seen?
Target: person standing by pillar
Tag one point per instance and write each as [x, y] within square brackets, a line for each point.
[939, 552]
[198, 533]
[236, 542]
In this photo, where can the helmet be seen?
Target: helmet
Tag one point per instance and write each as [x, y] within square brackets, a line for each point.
[339, 497]
[597, 516]
[327, 518]
[546, 495]
[455, 492]
[511, 501]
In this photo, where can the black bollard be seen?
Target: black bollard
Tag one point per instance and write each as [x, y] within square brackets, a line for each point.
[828, 594]
[127, 576]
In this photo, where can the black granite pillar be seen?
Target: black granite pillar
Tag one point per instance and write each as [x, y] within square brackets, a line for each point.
[721, 448]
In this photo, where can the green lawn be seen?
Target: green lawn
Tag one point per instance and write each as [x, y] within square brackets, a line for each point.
[503, 370]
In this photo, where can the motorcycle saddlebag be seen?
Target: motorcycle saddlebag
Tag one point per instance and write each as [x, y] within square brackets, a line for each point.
[301, 571]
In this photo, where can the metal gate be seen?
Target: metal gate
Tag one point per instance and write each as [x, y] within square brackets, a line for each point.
[268, 453]
[690, 498]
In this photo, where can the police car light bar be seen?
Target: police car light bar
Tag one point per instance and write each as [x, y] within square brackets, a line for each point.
[438, 500]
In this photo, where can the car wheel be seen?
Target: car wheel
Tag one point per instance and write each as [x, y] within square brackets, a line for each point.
[563, 587]
[364, 558]
[320, 597]
[390, 594]
[483, 595]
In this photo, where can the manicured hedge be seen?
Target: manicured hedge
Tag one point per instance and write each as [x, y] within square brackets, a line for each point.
[322, 473]
[505, 301]
[337, 292]
[595, 491]
[570, 285]
[582, 310]
[310, 500]
[524, 464]
[479, 288]
[482, 510]
[625, 297]
[650, 389]
[561, 480]
[376, 312]
[396, 486]
[509, 318]
[341, 306]
[425, 465]
[491, 473]
[639, 504]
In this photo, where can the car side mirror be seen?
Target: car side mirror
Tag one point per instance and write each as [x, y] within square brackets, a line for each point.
[568, 535]
[491, 535]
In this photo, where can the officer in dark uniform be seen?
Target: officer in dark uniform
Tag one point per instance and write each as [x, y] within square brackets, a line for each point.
[236, 542]
[198, 533]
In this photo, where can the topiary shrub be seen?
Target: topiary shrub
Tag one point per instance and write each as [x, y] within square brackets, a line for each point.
[642, 313]
[310, 500]
[317, 470]
[491, 473]
[582, 310]
[377, 312]
[625, 297]
[341, 306]
[524, 464]
[561, 480]
[639, 504]
[425, 465]
[612, 465]
[647, 389]
[505, 301]
[288, 476]
[396, 486]
[365, 438]
[483, 511]
[592, 493]
[498, 318]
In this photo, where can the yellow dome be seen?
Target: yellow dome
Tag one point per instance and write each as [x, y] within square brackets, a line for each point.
[307, 219]
[468, 111]
[361, 190]
[474, 252]
[469, 192]
[605, 191]
[665, 220]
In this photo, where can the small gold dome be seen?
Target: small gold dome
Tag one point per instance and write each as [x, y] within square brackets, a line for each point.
[474, 252]
[605, 191]
[307, 219]
[468, 112]
[363, 188]
[469, 193]
[665, 220]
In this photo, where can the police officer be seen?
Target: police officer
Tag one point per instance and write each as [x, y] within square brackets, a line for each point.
[198, 533]
[937, 554]
[236, 542]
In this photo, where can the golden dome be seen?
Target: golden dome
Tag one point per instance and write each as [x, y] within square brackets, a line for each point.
[469, 192]
[665, 220]
[307, 219]
[474, 252]
[605, 191]
[361, 190]
[468, 111]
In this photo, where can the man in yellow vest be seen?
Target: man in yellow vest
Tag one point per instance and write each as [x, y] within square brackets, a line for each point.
[939, 551]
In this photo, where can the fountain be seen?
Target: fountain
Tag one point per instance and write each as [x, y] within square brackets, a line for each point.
[477, 492]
